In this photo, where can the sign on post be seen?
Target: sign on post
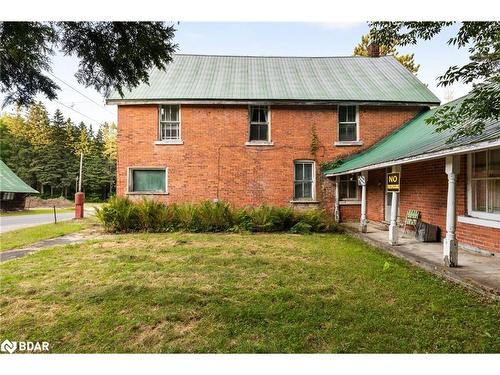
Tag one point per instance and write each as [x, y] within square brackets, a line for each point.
[393, 182]
[361, 180]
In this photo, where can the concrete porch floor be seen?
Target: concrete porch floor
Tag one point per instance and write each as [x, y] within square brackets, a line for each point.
[475, 271]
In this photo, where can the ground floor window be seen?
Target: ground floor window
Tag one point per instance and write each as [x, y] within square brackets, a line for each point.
[304, 180]
[348, 187]
[147, 180]
[484, 184]
[7, 196]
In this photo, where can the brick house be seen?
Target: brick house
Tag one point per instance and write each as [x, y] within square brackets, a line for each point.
[455, 186]
[256, 130]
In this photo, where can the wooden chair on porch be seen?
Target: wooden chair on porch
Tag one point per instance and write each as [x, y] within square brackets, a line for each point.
[412, 218]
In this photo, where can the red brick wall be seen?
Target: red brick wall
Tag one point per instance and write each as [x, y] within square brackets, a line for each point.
[478, 236]
[214, 162]
[350, 212]
[424, 187]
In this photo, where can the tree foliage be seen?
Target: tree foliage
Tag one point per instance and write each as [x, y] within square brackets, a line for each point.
[47, 152]
[482, 39]
[406, 60]
[113, 55]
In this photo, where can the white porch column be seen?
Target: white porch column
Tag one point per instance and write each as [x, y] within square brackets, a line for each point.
[450, 244]
[337, 198]
[363, 221]
[393, 227]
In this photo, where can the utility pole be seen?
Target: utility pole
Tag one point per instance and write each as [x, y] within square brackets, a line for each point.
[81, 170]
[79, 196]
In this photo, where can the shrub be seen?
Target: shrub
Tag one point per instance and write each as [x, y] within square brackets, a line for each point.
[319, 220]
[214, 217]
[153, 216]
[268, 219]
[119, 215]
[123, 215]
[301, 228]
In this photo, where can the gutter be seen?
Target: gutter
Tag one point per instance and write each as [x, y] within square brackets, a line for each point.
[264, 102]
[423, 157]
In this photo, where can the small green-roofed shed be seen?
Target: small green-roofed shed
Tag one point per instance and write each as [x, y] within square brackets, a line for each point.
[10, 183]
[415, 141]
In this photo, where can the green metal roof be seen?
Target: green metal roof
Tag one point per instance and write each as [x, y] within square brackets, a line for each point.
[353, 78]
[416, 138]
[10, 183]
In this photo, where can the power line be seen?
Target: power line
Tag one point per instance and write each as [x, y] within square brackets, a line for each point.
[82, 94]
[80, 113]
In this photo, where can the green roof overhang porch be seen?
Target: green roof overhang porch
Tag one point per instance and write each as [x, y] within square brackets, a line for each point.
[415, 142]
[345, 168]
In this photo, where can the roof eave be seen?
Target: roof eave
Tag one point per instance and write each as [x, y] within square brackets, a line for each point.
[265, 101]
[422, 157]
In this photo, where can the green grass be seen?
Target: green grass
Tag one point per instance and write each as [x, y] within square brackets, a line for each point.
[23, 237]
[238, 293]
[37, 211]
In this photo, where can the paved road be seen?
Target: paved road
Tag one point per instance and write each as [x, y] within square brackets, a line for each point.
[8, 223]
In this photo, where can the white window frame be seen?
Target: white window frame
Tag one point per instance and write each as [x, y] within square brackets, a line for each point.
[130, 171]
[356, 142]
[176, 141]
[8, 196]
[313, 188]
[268, 142]
[470, 212]
[355, 199]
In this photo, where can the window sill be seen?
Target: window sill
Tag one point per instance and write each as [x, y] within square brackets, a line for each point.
[179, 142]
[348, 143]
[145, 193]
[259, 143]
[305, 201]
[347, 203]
[478, 221]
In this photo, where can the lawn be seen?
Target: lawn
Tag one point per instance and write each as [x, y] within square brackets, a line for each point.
[238, 293]
[22, 237]
[37, 211]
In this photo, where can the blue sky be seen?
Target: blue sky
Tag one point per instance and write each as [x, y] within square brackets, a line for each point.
[271, 38]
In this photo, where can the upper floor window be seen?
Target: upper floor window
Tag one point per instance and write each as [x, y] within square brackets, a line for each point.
[259, 124]
[348, 123]
[170, 123]
[348, 187]
[304, 180]
[484, 184]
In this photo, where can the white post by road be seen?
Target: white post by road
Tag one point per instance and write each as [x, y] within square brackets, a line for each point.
[363, 221]
[450, 244]
[393, 227]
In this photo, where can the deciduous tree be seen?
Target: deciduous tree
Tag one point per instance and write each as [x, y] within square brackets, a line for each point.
[113, 55]
[482, 39]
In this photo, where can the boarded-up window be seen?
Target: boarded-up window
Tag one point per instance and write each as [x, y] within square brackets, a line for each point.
[148, 180]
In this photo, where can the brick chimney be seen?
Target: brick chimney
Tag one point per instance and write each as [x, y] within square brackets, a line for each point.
[373, 50]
